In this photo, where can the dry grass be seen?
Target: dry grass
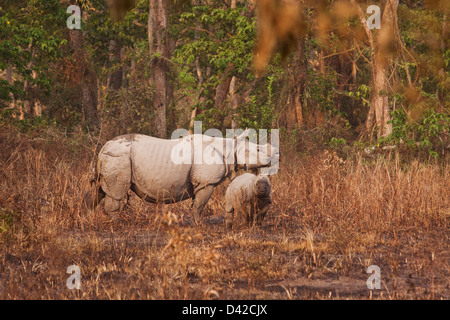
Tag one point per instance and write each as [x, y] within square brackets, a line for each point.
[330, 219]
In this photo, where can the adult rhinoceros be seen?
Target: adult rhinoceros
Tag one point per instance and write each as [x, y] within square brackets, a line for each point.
[167, 171]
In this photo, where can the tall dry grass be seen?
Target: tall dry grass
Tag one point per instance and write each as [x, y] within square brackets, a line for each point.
[380, 197]
[330, 219]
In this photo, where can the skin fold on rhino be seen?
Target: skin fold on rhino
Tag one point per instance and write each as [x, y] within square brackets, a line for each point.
[146, 165]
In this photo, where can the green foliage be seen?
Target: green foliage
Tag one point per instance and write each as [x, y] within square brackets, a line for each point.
[320, 90]
[218, 36]
[399, 126]
[361, 94]
[421, 31]
[126, 111]
[430, 133]
[28, 124]
[259, 116]
[101, 29]
[219, 42]
[216, 40]
[28, 44]
[337, 143]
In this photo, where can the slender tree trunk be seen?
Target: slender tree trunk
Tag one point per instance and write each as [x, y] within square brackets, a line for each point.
[35, 103]
[379, 101]
[232, 87]
[200, 97]
[89, 94]
[9, 78]
[441, 94]
[160, 53]
[382, 44]
[222, 88]
[297, 77]
[27, 104]
[383, 47]
[234, 103]
[115, 77]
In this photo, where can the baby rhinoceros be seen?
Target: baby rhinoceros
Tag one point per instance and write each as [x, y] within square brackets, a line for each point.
[248, 198]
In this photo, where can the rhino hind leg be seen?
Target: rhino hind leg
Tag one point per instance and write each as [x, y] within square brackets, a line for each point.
[115, 177]
[201, 198]
[116, 192]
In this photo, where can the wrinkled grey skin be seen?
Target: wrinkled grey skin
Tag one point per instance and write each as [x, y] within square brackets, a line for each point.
[145, 165]
[248, 197]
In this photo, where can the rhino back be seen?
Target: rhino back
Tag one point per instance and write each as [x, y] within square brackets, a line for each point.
[240, 189]
[155, 174]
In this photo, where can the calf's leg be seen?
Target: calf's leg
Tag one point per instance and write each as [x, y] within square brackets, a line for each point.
[229, 216]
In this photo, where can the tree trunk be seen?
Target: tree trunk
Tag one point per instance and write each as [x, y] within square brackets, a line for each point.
[297, 76]
[27, 105]
[89, 98]
[200, 98]
[379, 101]
[160, 53]
[9, 78]
[115, 77]
[234, 103]
[382, 48]
[35, 103]
[441, 94]
[222, 88]
[384, 44]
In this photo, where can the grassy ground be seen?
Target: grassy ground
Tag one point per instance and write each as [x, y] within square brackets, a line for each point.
[330, 219]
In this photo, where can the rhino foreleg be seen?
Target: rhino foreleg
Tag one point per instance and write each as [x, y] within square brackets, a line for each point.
[229, 213]
[229, 217]
[93, 197]
[201, 198]
[111, 204]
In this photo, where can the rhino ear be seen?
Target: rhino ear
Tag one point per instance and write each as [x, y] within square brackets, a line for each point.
[243, 135]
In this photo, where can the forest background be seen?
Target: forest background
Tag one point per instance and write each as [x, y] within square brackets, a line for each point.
[363, 117]
[162, 65]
